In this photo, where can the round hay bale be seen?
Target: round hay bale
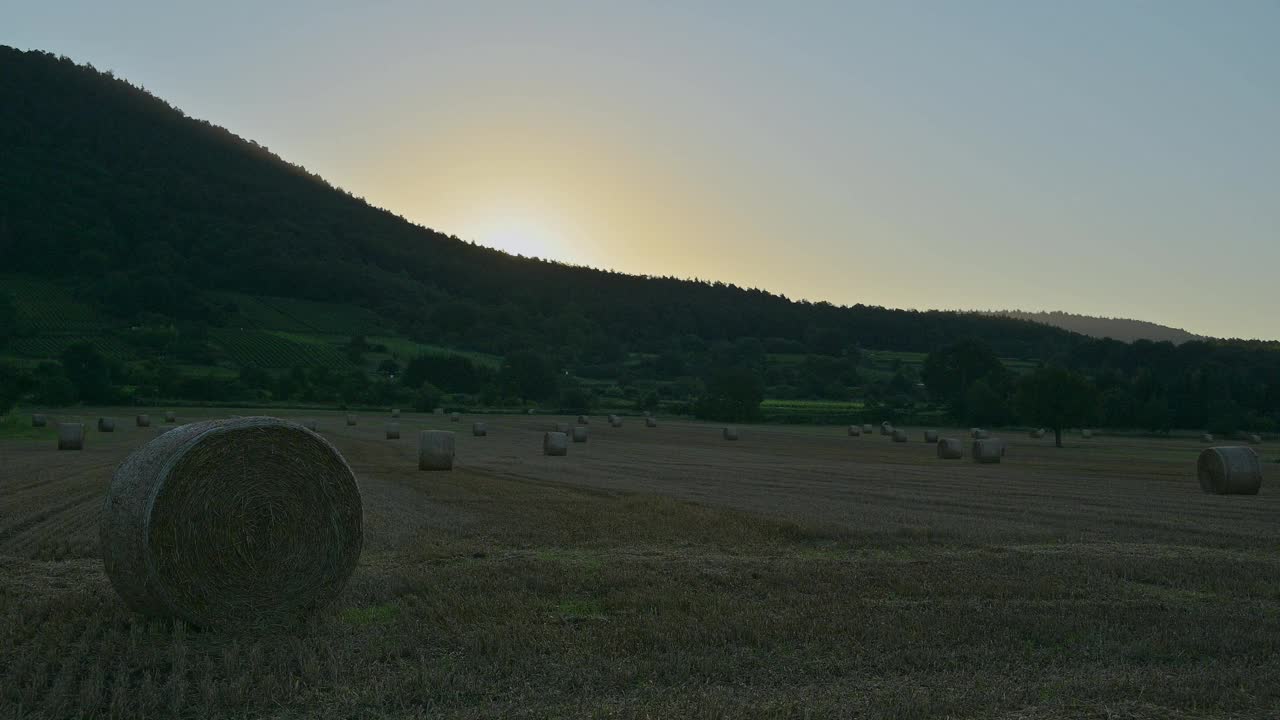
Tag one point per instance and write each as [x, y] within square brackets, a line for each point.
[393, 431]
[455, 417]
[39, 420]
[241, 522]
[650, 422]
[395, 412]
[867, 429]
[1207, 437]
[648, 414]
[855, 431]
[142, 421]
[580, 433]
[613, 419]
[886, 428]
[1255, 439]
[931, 436]
[435, 450]
[562, 428]
[351, 420]
[555, 444]
[70, 436]
[979, 434]
[950, 449]
[729, 433]
[170, 418]
[987, 451]
[438, 411]
[479, 429]
[900, 436]
[1229, 471]
[106, 424]
[532, 411]
[582, 420]
[1036, 434]
[1086, 433]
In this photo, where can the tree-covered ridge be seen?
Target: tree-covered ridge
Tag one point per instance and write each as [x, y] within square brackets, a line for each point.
[1123, 329]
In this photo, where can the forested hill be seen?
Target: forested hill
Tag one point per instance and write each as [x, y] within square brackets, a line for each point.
[1121, 329]
[144, 211]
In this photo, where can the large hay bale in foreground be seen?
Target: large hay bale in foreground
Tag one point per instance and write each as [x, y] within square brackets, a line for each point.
[900, 436]
[729, 433]
[435, 450]
[251, 521]
[106, 424]
[651, 422]
[70, 436]
[142, 421]
[479, 429]
[555, 444]
[39, 420]
[987, 451]
[351, 420]
[931, 436]
[393, 431]
[579, 433]
[950, 449]
[1229, 471]
[855, 431]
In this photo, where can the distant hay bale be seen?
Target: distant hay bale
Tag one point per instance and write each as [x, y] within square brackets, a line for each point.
[651, 422]
[1255, 439]
[532, 411]
[583, 420]
[855, 431]
[886, 428]
[70, 436]
[438, 411]
[1229, 471]
[435, 450]
[455, 417]
[395, 412]
[613, 419]
[351, 420]
[1207, 437]
[106, 424]
[253, 521]
[311, 425]
[987, 451]
[479, 429]
[142, 421]
[648, 414]
[170, 418]
[979, 434]
[579, 433]
[867, 429]
[900, 436]
[1086, 433]
[931, 436]
[555, 444]
[729, 433]
[1037, 434]
[393, 431]
[562, 428]
[38, 420]
[950, 449]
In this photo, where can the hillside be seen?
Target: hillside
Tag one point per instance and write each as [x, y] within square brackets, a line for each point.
[1122, 329]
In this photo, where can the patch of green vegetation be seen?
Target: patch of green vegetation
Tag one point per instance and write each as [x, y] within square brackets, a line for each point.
[406, 349]
[371, 615]
[580, 610]
[48, 307]
[271, 350]
[17, 426]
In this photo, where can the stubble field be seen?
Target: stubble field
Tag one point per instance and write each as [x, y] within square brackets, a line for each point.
[668, 573]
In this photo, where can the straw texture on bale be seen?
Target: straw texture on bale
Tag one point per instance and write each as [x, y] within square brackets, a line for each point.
[143, 421]
[435, 450]
[245, 522]
[351, 420]
[39, 421]
[395, 412]
[562, 428]
[650, 422]
[106, 424]
[729, 433]
[455, 418]
[170, 418]
[555, 443]
[582, 420]
[1229, 471]
[855, 431]
[900, 436]
[479, 429]
[950, 449]
[931, 436]
[987, 451]
[70, 436]
[579, 433]
[393, 431]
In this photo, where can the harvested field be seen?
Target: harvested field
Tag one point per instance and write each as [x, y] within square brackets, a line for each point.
[672, 574]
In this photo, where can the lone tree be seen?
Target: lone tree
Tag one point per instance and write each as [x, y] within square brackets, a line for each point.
[1056, 398]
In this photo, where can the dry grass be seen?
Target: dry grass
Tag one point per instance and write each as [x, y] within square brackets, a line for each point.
[676, 575]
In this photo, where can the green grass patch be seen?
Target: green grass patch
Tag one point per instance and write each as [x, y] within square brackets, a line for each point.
[371, 615]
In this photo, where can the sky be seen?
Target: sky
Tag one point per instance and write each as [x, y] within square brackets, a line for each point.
[1116, 158]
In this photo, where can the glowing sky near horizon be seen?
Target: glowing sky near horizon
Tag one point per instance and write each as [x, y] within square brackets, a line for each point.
[1108, 158]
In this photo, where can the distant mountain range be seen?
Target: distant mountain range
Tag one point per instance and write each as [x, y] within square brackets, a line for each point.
[1122, 329]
